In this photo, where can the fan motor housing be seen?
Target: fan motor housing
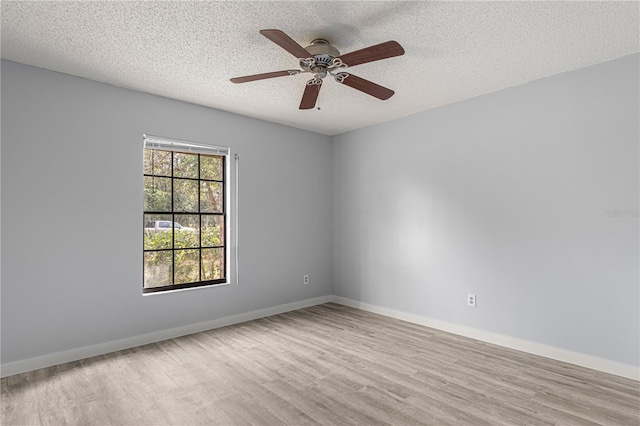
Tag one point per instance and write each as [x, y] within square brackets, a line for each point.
[323, 54]
[322, 47]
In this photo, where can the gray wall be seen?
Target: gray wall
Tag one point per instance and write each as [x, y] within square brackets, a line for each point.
[506, 196]
[72, 213]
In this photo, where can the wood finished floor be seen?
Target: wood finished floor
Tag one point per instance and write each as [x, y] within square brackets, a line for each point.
[328, 364]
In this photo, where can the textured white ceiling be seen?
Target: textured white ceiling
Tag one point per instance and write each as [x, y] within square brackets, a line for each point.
[188, 50]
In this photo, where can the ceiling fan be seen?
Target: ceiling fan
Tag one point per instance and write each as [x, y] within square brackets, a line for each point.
[322, 59]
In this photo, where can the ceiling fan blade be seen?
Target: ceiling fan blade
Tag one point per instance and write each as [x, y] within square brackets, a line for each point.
[310, 95]
[286, 42]
[385, 50]
[365, 86]
[255, 77]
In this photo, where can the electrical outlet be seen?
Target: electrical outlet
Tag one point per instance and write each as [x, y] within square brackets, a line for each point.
[305, 279]
[471, 300]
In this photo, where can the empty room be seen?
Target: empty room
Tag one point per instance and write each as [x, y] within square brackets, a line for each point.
[320, 213]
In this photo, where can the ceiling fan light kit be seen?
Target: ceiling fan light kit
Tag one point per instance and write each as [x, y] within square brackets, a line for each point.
[320, 58]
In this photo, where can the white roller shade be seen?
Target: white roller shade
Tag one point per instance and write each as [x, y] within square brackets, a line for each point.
[158, 142]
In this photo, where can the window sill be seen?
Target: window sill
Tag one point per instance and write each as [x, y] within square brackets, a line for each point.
[155, 293]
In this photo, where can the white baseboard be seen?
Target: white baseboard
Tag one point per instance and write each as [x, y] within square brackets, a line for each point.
[16, 367]
[583, 360]
[564, 355]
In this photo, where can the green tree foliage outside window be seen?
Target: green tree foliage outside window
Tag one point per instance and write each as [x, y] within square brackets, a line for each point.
[184, 220]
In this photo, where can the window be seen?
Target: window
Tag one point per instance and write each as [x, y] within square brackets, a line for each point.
[185, 224]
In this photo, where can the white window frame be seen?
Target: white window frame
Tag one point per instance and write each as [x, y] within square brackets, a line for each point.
[168, 144]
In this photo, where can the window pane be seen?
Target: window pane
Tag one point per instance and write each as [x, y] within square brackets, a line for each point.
[157, 268]
[157, 231]
[187, 227]
[212, 264]
[157, 194]
[185, 165]
[185, 195]
[210, 167]
[187, 266]
[212, 230]
[157, 162]
[210, 197]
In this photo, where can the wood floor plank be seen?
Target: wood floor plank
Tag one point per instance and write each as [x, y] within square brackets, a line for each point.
[324, 365]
